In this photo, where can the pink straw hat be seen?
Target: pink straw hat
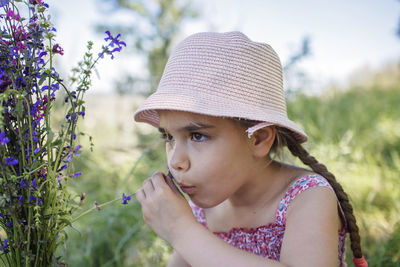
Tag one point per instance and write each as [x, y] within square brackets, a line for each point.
[223, 75]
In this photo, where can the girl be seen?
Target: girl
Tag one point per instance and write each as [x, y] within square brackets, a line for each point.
[220, 107]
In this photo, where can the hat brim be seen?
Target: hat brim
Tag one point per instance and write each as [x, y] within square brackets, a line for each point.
[212, 105]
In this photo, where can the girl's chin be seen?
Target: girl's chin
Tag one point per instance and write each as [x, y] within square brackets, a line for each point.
[203, 203]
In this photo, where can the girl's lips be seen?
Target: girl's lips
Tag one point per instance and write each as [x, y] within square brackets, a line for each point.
[188, 189]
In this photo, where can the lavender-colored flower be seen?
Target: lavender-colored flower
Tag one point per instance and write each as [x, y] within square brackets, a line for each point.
[3, 3]
[63, 167]
[3, 138]
[11, 161]
[59, 179]
[77, 174]
[32, 198]
[22, 183]
[20, 198]
[5, 245]
[76, 150]
[36, 150]
[69, 157]
[125, 199]
[34, 184]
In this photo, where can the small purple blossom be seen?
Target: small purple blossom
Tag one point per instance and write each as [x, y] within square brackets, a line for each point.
[114, 42]
[76, 150]
[3, 138]
[3, 3]
[77, 174]
[5, 245]
[34, 184]
[57, 49]
[22, 183]
[63, 167]
[125, 199]
[11, 161]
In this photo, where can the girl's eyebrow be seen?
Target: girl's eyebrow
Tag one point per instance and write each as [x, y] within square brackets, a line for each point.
[190, 127]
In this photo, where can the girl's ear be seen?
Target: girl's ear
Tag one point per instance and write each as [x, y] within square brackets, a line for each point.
[262, 141]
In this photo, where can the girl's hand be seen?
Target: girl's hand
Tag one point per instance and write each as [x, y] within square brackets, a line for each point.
[164, 208]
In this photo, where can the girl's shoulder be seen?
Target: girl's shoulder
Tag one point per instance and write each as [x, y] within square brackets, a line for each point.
[299, 192]
[299, 185]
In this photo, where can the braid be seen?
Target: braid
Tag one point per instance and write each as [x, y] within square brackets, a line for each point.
[297, 150]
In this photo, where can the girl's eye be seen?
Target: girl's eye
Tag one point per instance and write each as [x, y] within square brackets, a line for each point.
[198, 137]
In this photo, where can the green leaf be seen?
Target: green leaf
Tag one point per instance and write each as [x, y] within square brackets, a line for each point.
[56, 142]
[42, 79]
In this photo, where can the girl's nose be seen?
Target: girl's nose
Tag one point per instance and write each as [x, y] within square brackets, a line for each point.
[178, 158]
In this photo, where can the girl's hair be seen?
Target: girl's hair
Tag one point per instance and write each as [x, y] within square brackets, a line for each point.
[284, 137]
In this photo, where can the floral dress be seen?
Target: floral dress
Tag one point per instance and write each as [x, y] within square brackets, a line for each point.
[266, 240]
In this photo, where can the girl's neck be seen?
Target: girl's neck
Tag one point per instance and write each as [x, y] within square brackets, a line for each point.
[264, 185]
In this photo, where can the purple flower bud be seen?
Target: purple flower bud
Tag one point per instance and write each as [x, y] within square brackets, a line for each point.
[63, 167]
[77, 174]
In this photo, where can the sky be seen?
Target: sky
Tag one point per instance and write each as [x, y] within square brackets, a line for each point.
[345, 36]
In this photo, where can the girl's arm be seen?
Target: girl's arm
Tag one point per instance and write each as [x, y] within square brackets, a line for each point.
[311, 237]
[177, 261]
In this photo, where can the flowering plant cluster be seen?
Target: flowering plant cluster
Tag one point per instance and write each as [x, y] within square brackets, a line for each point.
[35, 155]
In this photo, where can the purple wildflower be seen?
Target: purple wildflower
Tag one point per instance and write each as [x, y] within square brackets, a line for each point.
[77, 174]
[76, 150]
[114, 42]
[32, 198]
[3, 3]
[5, 245]
[34, 184]
[69, 157]
[125, 199]
[22, 183]
[3, 138]
[63, 167]
[57, 49]
[11, 161]
[20, 199]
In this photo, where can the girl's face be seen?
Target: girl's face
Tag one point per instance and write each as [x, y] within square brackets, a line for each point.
[210, 157]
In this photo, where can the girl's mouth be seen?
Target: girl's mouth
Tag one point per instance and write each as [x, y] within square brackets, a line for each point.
[188, 189]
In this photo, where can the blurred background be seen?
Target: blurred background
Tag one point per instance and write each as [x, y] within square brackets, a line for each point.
[341, 65]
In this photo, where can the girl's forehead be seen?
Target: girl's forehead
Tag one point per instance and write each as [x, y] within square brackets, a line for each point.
[171, 119]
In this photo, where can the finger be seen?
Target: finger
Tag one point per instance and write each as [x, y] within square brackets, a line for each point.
[148, 185]
[140, 195]
[168, 180]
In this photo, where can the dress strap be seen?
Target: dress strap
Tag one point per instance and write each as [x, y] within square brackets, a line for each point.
[300, 185]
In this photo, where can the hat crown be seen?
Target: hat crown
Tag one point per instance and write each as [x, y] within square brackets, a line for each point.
[222, 75]
[227, 65]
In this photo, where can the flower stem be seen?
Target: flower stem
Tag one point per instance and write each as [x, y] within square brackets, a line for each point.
[96, 207]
